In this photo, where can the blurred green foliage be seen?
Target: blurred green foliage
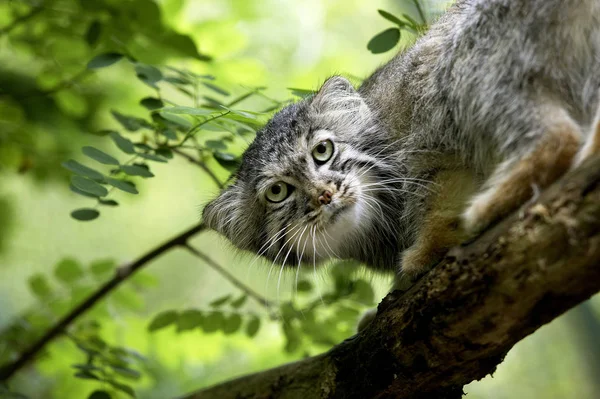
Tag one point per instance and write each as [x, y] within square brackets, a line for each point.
[138, 111]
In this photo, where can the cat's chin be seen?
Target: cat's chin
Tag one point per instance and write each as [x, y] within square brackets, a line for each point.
[344, 224]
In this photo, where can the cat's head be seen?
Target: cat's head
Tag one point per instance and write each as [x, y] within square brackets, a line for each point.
[310, 185]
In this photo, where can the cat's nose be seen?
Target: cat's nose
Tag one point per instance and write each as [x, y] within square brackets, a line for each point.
[325, 197]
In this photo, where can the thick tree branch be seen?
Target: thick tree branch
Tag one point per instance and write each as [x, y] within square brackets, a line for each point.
[122, 274]
[460, 320]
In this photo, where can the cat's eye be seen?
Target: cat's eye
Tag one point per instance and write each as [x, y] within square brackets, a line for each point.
[278, 191]
[323, 152]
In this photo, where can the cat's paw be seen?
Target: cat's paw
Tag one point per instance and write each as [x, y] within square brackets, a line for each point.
[366, 319]
[479, 214]
[416, 260]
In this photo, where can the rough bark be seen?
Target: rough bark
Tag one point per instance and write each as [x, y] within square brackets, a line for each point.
[460, 320]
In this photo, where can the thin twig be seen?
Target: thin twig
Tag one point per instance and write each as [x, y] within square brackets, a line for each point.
[200, 164]
[232, 279]
[19, 20]
[420, 11]
[122, 274]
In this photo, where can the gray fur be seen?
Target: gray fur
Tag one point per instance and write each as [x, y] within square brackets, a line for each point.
[483, 85]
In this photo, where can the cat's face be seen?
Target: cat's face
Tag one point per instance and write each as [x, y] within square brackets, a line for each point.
[307, 189]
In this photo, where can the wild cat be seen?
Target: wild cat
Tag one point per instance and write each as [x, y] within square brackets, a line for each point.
[499, 98]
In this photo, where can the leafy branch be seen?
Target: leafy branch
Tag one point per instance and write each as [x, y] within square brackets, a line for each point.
[122, 274]
[230, 277]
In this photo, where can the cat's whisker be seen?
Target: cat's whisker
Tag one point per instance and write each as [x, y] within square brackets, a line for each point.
[273, 240]
[314, 230]
[300, 256]
[278, 253]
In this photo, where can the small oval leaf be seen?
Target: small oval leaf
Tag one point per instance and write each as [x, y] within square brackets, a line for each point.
[134, 170]
[253, 326]
[104, 60]
[99, 156]
[220, 301]
[88, 186]
[85, 214]
[163, 320]
[122, 185]
[99, 395]
[82, 170]
[384, 41]
[124, 144]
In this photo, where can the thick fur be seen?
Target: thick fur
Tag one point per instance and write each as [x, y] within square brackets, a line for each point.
[494, 102]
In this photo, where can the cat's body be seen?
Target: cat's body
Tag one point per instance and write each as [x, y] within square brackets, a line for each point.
[498, 98]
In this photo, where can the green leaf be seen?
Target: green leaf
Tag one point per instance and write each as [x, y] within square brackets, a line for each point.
[99, 395]
[102, 267]
[302, 93]
[169, 134]
[122, 185]
[176, 119]
[238, 303]
[86, 367]
[82, 170]
[212, 322]
[189, 319]
[215, 145]
[93, 33]
[127, 372]
[164, 152]
[124, 144]
[232, 323]
[384, 41]
[85, 214]
[135, 170]
[163, 320]
[152, 157]
[99, 156]
[104, 60]
[122, 387]
[39, 286]
[86, 375]
[253, 326]
[414, 23]
[216, 88]
[304, 286]
[81, 192]
[220, 301]
[131, 123]
[391, 18]
[186, 111]
[68, 270]
[88, 186]
[226, 160]
[148, 74]
[151, 103]
[107, 202]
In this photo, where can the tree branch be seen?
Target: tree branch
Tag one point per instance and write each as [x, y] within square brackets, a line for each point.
[457, 323]
[122, 274]
[201, 164]
[230, 277]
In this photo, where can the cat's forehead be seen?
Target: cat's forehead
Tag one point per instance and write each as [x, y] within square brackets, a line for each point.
[280, 141]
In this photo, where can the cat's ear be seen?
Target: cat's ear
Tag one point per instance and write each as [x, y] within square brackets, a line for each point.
[337, 93]
[337, 85]
[225, 214]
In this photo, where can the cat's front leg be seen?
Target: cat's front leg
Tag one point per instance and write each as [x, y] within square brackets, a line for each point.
[439, 228]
